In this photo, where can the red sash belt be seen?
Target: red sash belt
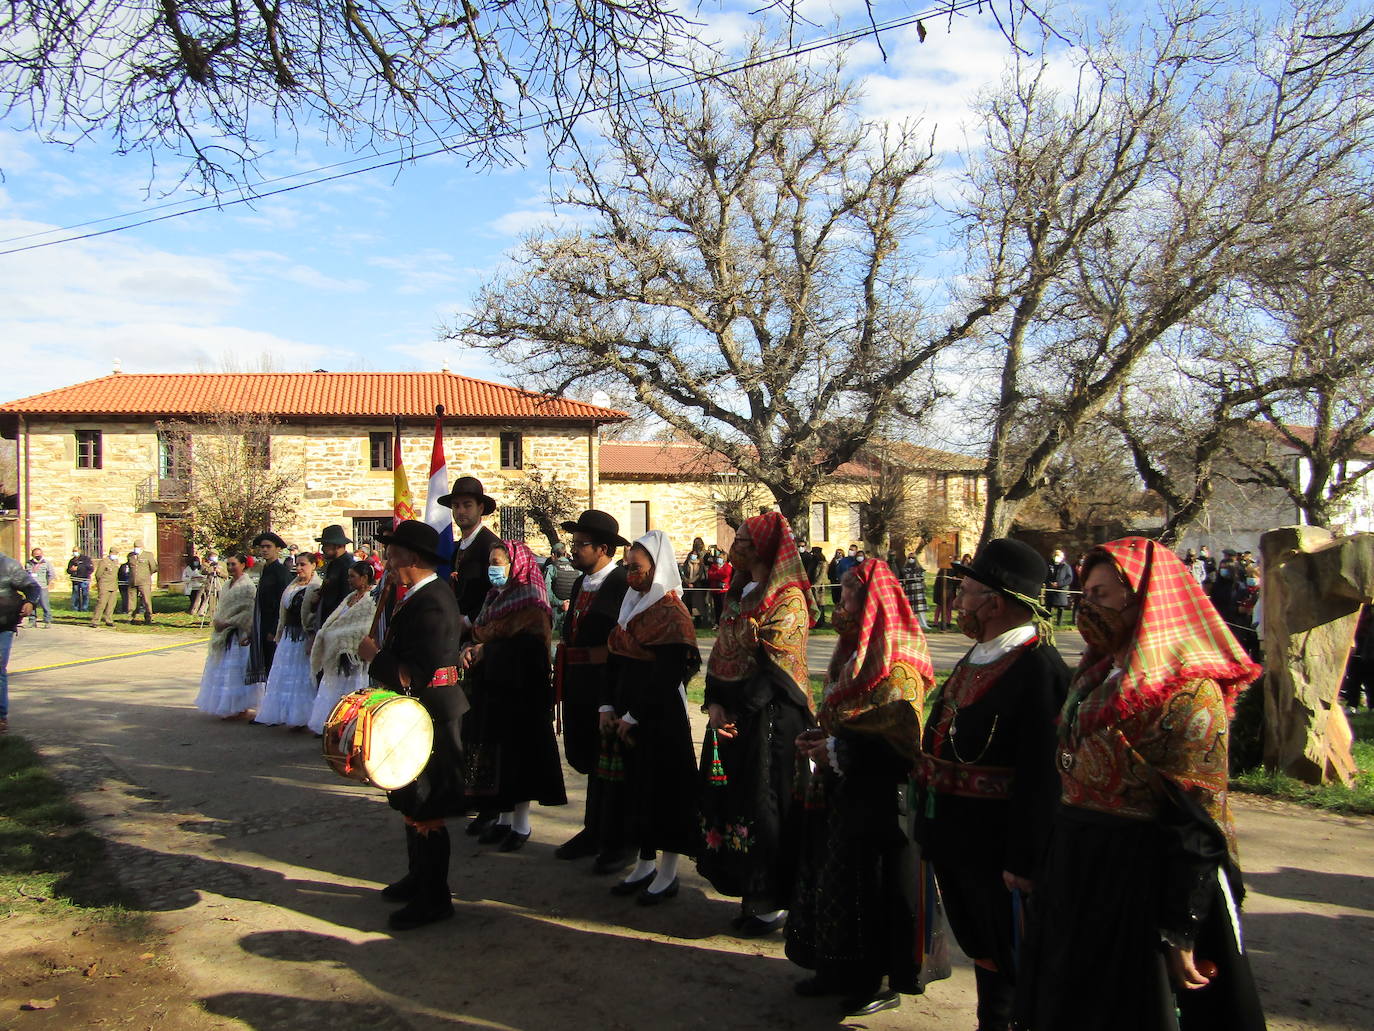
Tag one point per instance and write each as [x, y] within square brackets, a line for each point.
[965, 779]
[444, 676]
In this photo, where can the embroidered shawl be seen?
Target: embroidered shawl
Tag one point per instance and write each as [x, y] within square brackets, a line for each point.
[1179, 639]
[666, 621]
[235, 611]
[864, 675]
[346, 626]
[772, 538]
[772, 635]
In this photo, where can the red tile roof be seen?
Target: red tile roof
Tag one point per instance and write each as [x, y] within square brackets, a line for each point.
[297, 394]
[653, 459]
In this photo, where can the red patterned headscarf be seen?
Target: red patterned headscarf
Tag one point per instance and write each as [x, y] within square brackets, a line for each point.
[773, 540]
[524, 587]
[888, 634]
[1179, 638]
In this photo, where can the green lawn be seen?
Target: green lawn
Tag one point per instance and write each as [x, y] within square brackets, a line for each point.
[170, 612]
[47, 860]
[1358, 799]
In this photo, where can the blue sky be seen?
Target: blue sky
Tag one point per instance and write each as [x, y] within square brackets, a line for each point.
[353, 274]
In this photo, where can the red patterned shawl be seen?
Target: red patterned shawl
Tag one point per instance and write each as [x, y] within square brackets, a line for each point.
[773, 540]
[524, 587]
[1180, 639]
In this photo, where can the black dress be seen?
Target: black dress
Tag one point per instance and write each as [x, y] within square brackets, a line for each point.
[509, 732]
[660, 761]
[853, 916]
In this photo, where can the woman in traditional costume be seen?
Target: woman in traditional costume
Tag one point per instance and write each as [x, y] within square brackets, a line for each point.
[334, 654]
[512, 754]
[290, 691]
[223, 692]
[758, 698]
[853, 920]
[1138, 909]
[654, 652]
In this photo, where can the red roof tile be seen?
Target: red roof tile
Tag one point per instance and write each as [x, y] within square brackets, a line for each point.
[689, 461]
[298, 394]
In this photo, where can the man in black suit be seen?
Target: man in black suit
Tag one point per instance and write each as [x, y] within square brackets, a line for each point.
[473, 543]
[338, 559]
[580, 669]
[419, 657]
[272, 584]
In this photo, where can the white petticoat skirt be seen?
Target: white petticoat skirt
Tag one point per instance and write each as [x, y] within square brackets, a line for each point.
[222, 690]
[290, 686]
[334, 686]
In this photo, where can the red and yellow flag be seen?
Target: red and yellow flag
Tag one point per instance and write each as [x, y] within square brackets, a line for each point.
[403, 505]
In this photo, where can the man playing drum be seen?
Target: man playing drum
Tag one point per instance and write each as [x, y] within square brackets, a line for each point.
[419, 657]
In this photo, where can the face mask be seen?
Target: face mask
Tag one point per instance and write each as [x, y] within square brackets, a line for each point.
[638, 580]
[845, 624]
[497, 575]
[1223, 572]
[691, 558]
[1250, 581]
[1104, 630]
[970, 623]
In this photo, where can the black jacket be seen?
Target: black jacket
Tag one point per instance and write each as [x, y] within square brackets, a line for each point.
[470, 582]
[335, 588]
[422, 637]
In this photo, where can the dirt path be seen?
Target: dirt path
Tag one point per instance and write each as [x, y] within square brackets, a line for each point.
[261, 867]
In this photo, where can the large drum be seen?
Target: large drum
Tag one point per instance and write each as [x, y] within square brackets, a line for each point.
[378, 737]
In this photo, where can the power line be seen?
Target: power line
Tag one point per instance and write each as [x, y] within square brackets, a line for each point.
[445, 145]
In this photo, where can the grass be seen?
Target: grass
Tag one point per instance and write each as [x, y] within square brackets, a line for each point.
[171, 611]
[1357, 800]
[47, 859]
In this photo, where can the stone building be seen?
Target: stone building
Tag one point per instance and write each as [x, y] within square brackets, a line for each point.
[684, 491]
[96, 469]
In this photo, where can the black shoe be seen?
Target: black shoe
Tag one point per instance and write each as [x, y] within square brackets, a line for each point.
[404, 890]
[653, 898]
[867, 1005]
[479, 825]
[612, 862]
[632, 887]
[496, 832]
[514, 841]
[753, 927]
[579, 846]
[420, 912]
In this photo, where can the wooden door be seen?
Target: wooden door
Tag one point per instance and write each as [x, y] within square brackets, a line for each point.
[171, 549]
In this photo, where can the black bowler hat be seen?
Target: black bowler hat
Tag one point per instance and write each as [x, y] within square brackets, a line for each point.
[419, 537]
[472, 487]
[1011, 568]
[600, 526]
[270, 538]
[333, 534]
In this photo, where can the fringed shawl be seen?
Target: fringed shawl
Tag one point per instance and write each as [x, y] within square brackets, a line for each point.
[235, 611]
[666, 621]
[338, 639]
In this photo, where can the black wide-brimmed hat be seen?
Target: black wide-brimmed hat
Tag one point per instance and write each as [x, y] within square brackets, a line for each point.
[333, 534]
[270, 538]
[419, 537]
[470, 486]
[1012, 568]
[599, 526]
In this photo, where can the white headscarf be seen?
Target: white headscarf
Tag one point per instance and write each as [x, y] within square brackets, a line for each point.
[666, 576]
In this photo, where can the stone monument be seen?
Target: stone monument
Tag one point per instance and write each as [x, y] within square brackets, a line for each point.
[1313, 586]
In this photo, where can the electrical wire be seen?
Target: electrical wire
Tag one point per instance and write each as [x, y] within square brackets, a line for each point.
[445, 145]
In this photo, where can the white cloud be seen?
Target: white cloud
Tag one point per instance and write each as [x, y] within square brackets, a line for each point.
[71, 310]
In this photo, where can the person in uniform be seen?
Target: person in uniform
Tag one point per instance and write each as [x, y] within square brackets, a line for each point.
[418, 656]
[582, 689]
[986, 773]
[338, 561]
[142, 569]
[105, 580]
[272, 584]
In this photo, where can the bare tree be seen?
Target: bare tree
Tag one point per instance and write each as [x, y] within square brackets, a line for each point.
[1121, 212]
[1089, 483]
[195, 76]
[747, 274]
[548, 502]
[233, 487]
